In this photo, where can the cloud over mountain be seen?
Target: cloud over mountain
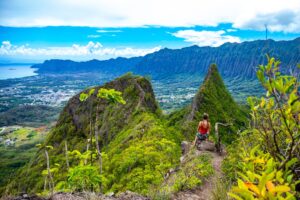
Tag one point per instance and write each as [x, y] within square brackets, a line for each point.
[88, 51]
[206, 38]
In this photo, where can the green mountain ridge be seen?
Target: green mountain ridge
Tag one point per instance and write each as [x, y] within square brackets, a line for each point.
[212, 98]
[139, 144]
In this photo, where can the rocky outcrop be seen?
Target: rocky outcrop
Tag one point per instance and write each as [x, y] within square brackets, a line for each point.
[24, 196]
[128, 195]
[77, 122]
[75, 118]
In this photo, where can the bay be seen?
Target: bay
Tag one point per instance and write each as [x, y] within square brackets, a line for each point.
[16, 71]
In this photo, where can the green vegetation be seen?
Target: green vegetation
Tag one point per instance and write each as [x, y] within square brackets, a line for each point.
[141, 155]
[134, 139]
[191, 174]
[18, 152]
[267, 152]
[28, 115]
[212, 98]
[118, 133]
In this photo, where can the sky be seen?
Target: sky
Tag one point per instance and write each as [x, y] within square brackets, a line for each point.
[32, 31]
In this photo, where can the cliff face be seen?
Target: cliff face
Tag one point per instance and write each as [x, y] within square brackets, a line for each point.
[233, 60]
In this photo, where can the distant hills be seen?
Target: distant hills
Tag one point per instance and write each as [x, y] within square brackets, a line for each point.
[233, 59]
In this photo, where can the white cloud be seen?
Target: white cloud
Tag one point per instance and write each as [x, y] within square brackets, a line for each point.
[93, 36]
[91, 50]
[131, 13]
[231, 30]
[284, 20]
[109, 31]
[206, 38]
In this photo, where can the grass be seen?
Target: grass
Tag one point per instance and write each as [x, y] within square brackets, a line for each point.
[191, 174]
[221, 188]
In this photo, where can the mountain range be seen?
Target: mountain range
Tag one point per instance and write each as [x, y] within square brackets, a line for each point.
[233, 60]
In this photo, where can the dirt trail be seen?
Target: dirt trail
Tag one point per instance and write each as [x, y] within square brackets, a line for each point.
[205, 191]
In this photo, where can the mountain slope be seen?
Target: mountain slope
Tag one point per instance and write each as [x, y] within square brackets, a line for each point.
[133, 137]
[139, 145]
[212, 98]
[233, 59]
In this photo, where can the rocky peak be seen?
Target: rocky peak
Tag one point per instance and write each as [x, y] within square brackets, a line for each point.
[76, 117]
[213, 98]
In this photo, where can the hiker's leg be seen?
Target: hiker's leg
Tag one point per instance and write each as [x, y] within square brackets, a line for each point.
[195, 141]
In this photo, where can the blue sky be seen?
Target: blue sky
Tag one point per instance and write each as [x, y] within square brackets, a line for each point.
[35, 30]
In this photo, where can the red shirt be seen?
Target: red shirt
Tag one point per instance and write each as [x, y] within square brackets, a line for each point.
[202, 128]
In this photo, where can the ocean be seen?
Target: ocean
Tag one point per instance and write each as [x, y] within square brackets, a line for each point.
[16, 71]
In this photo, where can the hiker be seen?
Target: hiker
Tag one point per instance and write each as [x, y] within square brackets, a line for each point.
[203, 129]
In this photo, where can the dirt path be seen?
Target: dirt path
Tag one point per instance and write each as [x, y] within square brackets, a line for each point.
[205, 191]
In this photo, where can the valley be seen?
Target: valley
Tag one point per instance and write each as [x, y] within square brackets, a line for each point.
[50, 92]
[17, 147]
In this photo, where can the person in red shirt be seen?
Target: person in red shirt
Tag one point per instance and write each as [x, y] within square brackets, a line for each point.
[203, 129]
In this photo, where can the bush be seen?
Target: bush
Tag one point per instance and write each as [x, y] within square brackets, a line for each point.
[268, 150]
[82, 178]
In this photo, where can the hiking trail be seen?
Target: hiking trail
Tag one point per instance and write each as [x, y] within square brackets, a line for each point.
[205, 191]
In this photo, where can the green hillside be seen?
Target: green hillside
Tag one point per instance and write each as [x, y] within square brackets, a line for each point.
[212, 98]
[134, 137]
[139, 145]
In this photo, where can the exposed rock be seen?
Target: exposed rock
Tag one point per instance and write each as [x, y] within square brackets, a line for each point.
[207, 146]
[24, 196]
[128, 195]
[131, 196]
[69, 196]
[185, 147]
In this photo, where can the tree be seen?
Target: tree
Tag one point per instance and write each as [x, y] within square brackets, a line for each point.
[113, 97]
[48, 172]
[83, 97]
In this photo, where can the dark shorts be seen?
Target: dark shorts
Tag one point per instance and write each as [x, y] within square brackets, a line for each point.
[201, 136]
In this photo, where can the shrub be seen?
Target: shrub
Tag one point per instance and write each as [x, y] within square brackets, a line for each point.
[82, 178]
[270, 147]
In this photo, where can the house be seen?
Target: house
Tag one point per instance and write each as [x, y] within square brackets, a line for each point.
[9, 142]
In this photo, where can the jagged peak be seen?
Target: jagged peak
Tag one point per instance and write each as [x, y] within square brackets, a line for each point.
[212, 70]
[136, 91]
[213, 81]
[213, 75]
[212, 98]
